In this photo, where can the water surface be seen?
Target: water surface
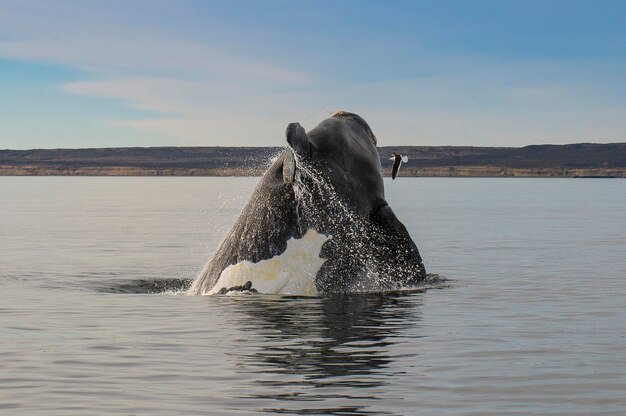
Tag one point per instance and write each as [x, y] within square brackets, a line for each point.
[533, 323]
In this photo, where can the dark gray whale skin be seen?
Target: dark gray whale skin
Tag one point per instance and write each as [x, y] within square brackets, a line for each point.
[341, 149]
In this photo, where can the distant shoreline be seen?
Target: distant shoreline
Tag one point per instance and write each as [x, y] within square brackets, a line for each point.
[444, 171]
[582, 160]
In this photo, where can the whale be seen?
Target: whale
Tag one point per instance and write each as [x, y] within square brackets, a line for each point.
[317, 222]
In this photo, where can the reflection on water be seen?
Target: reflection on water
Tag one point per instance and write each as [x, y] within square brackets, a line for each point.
[320, 349]
[292, 352]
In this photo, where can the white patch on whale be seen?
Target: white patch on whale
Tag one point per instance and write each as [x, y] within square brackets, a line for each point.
[290, 273]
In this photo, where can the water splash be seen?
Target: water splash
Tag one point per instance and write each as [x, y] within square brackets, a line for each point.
[322, 208]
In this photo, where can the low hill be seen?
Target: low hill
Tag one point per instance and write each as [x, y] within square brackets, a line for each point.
[571, 160]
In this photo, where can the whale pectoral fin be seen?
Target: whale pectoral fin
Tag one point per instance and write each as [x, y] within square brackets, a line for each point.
[297, 139]
[397, 245]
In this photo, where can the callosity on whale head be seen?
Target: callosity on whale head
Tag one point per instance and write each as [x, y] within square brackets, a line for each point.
[318, 221]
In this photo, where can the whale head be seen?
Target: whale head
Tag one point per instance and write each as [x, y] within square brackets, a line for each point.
[317, 222]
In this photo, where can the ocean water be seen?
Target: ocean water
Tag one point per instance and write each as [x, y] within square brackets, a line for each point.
[532, 320]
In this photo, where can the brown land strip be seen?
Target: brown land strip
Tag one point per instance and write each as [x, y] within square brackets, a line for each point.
[567, 161]
[442, 171]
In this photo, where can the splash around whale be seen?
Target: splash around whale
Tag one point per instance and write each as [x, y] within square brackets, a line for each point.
[317, 222]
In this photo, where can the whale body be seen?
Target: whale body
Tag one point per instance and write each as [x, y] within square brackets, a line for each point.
[317, 221]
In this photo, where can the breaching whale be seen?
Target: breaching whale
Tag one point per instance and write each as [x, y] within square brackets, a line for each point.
[317, 222]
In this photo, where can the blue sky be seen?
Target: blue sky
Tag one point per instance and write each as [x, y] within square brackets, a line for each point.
[481, 73]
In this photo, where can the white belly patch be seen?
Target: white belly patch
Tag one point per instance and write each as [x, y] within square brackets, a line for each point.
[290, 273]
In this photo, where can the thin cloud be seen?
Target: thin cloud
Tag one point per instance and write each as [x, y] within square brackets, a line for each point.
[164, 95]
[194, 112]
[97, 39]
[149, 53]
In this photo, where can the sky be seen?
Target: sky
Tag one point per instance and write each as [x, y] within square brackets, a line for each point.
[78, 74]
